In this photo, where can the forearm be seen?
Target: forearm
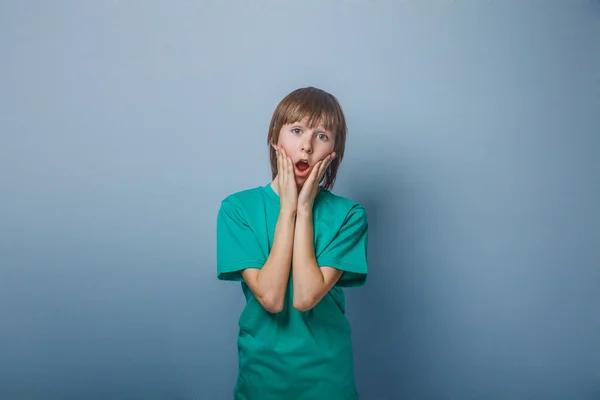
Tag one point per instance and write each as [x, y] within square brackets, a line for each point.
[273, 278]
[307, 276]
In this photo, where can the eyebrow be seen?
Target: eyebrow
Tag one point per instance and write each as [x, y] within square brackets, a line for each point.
[317, 128]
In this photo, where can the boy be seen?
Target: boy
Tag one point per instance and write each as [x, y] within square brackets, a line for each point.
[294, 245]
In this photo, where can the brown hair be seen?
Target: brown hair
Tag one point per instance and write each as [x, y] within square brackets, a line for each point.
[320, 107]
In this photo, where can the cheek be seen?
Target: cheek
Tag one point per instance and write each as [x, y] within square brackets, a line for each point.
[286, 148]
[285, 143]
[289, 145]
[325, 151]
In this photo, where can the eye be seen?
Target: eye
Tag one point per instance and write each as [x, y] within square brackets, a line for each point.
[322, 136]
[297, 131]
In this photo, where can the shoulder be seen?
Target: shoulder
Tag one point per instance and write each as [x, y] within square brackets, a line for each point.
[243, 197]
[338, 204]
[242, 204]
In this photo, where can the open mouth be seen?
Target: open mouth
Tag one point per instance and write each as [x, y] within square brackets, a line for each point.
[302, 168]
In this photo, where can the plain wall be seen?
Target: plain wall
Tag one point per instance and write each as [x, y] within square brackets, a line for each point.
[474, 131]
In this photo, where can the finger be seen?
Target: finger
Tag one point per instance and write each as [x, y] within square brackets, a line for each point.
[324, 165]
[331, 157]
[279, 166]
[315, 172]
[291, 171]
[284, 169]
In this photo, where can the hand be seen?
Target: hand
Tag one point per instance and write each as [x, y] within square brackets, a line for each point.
[286, 180]
[311, 186]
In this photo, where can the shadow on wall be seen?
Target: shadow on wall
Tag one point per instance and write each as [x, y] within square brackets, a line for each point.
[377, 311]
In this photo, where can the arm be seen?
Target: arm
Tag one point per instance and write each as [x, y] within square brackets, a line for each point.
[311, 282]
[269, 283]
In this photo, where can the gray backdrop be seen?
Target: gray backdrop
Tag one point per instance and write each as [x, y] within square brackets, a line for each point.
[473, 143]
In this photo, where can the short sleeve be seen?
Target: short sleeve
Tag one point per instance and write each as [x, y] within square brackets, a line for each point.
[348, 249]
[237, 245]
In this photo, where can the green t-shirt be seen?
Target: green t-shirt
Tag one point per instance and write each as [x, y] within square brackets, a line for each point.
[293, 355]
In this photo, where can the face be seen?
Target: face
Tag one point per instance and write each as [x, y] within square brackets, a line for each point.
[305, 146]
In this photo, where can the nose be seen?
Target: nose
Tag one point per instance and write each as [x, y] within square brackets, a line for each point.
[307, 146]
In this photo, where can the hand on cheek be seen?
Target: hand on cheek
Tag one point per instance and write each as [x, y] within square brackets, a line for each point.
[311, 186]
[286, 181]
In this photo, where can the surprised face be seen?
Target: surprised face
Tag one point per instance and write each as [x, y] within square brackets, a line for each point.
[305, 146]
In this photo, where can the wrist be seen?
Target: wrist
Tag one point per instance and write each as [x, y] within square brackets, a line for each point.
[288, 212]
[304, 212]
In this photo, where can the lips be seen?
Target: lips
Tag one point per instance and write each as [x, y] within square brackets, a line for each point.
[302, 168]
